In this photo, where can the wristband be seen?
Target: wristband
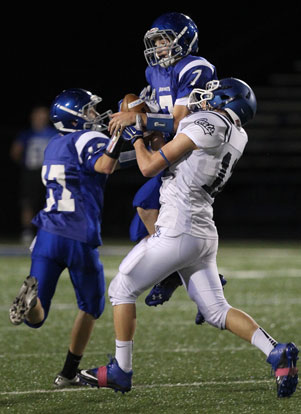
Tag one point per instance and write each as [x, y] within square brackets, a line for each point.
[159, 122]
[114, 148]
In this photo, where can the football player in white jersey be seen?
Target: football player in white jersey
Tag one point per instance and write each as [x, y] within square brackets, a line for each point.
[201, 159]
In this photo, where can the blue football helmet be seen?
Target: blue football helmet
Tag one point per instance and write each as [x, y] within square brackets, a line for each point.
[74, 110]
[230, 94]
[175, 34]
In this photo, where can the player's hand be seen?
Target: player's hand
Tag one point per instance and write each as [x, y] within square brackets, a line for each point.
[120, 120]
[132, 133]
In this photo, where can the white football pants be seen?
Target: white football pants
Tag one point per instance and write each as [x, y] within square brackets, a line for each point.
[156, 257]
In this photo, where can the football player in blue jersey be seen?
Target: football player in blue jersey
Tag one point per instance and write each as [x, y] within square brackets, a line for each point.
[173, 71]
[76, 165]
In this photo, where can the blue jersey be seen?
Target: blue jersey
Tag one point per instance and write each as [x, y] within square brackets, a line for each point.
[34, 143]
[171, 86]
[74, 190]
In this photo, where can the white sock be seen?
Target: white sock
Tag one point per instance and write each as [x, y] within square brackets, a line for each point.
[123, 354]
[263, 341]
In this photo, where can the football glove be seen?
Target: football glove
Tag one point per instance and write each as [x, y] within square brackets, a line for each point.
[148, 96]
[132, 133]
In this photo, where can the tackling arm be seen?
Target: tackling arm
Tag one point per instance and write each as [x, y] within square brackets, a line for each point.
[151, 164]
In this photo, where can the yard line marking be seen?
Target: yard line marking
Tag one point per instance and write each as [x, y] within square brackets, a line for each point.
[183, 305]
[145, 386]
[240, 274]
[105, 250]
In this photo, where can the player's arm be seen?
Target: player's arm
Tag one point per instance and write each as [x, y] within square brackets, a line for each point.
[105, 164]
[179, 112]
[151, 121]
[92, 148]
[150, 164]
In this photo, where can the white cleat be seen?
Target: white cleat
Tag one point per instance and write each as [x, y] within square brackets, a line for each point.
[63, 382]
[25, 300]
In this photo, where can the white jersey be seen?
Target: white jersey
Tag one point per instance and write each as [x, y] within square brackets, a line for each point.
[190, 185]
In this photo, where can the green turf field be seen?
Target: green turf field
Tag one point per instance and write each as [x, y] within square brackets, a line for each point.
[178, 367]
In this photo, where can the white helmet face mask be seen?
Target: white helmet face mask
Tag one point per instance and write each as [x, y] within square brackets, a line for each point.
[198, 97]
[198, 100]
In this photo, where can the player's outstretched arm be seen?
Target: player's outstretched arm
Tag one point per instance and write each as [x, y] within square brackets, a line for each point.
[152, 163]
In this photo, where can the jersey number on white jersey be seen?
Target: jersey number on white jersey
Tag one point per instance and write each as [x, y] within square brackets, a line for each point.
[223, 174]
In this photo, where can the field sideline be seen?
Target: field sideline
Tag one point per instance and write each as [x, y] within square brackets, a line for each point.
[178, 367]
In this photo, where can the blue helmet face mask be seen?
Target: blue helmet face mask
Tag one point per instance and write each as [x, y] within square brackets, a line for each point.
[171, 37]
[230, 94]
[75, 110]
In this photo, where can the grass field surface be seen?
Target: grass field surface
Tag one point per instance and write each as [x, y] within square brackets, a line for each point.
[179, 367]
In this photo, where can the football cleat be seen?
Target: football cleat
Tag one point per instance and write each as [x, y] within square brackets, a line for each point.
[62, 382]
[109, 376]
[163, 291]
[283, 359]
[26, 299]
[199, 319]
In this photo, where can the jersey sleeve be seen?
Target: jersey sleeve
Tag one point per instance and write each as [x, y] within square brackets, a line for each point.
[90, 146]
[205, 131]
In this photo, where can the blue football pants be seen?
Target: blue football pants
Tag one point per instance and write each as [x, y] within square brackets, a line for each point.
[51, 255]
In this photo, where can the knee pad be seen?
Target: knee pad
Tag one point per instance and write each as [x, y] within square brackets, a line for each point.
[120, 292]
[216, 315]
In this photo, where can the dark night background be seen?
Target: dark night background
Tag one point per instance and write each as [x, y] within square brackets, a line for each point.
[101, 48]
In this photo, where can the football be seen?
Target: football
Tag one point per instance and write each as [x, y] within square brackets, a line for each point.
[132, 103]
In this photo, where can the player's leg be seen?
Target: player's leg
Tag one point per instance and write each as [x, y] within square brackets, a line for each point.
[148, 217]
[80, 335]
[282, 356]
[201, 281]
[86, 272]
[147, 263]
[146, 201]
[32, 304]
